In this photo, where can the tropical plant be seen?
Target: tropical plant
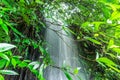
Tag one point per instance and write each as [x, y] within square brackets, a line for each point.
[95, 26]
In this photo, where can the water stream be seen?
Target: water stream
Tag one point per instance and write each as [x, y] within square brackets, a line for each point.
[63, 52]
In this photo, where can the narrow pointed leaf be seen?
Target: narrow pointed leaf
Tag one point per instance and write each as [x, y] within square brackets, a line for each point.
[106, 61]
[1, 77]
[4, 56]
[92, 40]
[6, 46]
[8, 72]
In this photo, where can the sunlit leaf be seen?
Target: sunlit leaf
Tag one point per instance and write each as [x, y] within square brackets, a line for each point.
[4, 56]
[116, 49]
[18, 57]
[76, 70]
[106, 61]
[113, 6]
[8, 72]
[85, 25]
[1, 77]
[114, 68]
[109, 1]
[96, 35]
[41, 77]
[97, 55]
[109, 21]
[35, 64]
[111, 42]
[93, 40]
[115, 15]
[97, 25]
[6, 46]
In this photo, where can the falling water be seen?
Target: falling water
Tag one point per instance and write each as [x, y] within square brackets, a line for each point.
[63, 52]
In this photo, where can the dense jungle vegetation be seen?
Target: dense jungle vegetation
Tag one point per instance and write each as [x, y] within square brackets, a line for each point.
[95, 25]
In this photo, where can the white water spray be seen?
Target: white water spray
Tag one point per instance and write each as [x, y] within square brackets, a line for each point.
[63, 52]
[62, 48]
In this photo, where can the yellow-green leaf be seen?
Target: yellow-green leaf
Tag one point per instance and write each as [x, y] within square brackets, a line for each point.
[1, 77]
[92, 40]
[106, 61]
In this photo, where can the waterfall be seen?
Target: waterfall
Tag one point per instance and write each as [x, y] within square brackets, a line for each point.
[63, 52]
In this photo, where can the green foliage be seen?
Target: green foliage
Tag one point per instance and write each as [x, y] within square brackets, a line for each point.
[1, 77]
[93, 40]
[68, 75]
[8, 72]
[16, 62]
[5, 47]
[97, 30]
[94, 24]
[5, 59]
[21, 23]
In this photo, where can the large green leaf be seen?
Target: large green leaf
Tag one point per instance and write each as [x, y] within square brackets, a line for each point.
[106, 61]
[93, 40]
[8, 72]
[6, 46]
[115, 15]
